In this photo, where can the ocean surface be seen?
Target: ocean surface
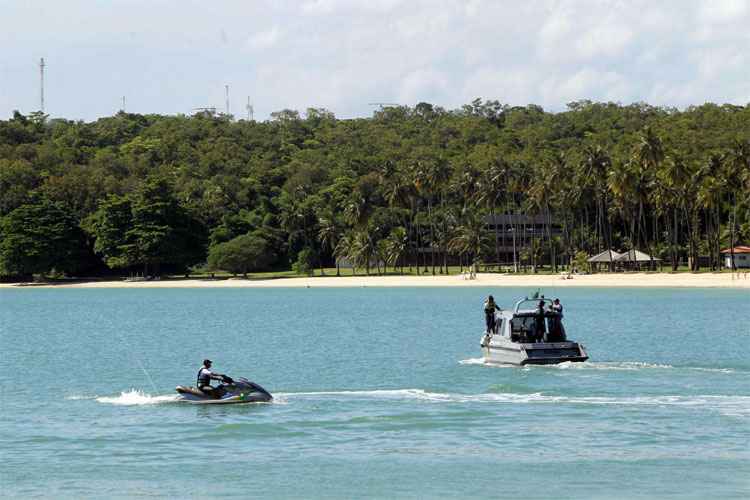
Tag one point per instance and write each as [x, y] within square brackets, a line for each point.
[380, 393]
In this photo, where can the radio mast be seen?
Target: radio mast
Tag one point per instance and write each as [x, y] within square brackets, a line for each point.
[41, 84]
[226, 88]
[249, 108]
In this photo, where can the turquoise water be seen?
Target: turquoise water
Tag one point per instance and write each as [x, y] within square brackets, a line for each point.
[379, 393]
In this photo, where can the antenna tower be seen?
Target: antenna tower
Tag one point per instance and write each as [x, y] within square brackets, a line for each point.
[226, 88]
[249, 108]
[383, 104]
[41, 84]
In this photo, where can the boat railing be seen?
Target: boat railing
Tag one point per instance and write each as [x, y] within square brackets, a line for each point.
[533, 301]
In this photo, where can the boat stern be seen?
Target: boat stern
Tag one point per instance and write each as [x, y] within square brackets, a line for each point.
[548, 353]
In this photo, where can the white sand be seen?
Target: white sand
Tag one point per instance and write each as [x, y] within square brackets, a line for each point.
[486, 280]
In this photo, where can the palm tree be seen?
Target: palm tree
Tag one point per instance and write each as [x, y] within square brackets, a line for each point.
[423, 183]
[593, 173]
[542, 187]
[710, 197]
[395, 246]
[739, 161]
[648, 155]
[440, 174]
[328, 235]
[345, 250]
[673, 181]
[490, 190]
[469, 238]
[399, 193]
[363, 249]
[622, 181]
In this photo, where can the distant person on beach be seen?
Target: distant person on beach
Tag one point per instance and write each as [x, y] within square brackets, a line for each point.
[489, 313]
[205, 376]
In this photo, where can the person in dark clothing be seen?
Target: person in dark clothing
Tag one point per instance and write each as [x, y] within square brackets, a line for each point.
[558, 308]
[540, 326]
[489, 313]
[557, 327]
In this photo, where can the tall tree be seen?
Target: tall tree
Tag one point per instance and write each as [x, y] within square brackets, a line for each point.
[40, 237]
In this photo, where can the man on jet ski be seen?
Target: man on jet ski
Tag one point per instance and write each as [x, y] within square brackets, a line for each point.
[205, 375]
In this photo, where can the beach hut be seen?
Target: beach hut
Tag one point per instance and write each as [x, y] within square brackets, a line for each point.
[606, 257]
[633, 259]
[741, 257]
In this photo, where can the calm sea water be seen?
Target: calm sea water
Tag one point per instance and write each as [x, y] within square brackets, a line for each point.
[379, 393]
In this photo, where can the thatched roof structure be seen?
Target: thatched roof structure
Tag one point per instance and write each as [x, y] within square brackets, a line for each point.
[636, 256]
[605, 257]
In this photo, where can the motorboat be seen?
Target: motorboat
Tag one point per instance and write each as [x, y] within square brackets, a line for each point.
[531, 333]
[232, 392]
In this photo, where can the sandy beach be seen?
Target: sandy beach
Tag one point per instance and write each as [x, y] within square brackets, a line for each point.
[486, 280]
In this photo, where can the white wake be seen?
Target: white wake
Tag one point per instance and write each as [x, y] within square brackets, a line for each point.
[729, 405]
[136, 397]
[600, 365]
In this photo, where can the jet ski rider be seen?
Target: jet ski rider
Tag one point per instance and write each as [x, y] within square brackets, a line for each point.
[205, 375]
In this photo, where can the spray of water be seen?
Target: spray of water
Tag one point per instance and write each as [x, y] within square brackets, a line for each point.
[131, 351]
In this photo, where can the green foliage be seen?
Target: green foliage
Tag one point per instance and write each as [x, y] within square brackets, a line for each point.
[580, 261]
[241, 255]
[148, 227]
[109, 226]
[39, 237]
[155, 190]
[305, 261]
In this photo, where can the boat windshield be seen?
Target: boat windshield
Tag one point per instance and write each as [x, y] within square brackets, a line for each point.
[530, 327]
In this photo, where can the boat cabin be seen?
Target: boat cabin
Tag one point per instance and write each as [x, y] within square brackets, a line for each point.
[528, 323]
[531, 333]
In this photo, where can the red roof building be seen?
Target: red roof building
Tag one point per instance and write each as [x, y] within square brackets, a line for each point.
[741, 257]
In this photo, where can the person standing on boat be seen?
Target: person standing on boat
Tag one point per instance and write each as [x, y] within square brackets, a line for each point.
[540, 326]
[558, 308]
[557, 328]
[489, 313]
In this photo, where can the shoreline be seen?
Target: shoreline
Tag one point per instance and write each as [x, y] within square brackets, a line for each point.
[621, 280]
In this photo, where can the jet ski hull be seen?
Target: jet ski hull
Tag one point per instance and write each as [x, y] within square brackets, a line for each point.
[241, 392]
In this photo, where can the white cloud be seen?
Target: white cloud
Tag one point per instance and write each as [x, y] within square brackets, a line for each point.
[265, 39]
[722, 11]
[343, 54]
[422, 85]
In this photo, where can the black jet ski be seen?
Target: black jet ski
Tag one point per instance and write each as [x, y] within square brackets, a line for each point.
[230, 392]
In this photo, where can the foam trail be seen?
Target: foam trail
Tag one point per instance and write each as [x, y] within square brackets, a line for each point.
[482, 362]
[614, 365]
[136, 397]
[730, 405]
[79, 397]
[602, 365]
[382, 394]
[632, 366]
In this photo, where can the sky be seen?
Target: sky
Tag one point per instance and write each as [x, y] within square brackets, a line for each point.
[170, 57]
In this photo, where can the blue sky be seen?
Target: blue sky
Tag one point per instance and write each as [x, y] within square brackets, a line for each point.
[171, 56]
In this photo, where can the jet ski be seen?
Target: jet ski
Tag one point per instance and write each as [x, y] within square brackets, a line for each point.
[231, 392]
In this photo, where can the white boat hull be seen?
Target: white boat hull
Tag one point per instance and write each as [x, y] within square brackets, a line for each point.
[500, 351]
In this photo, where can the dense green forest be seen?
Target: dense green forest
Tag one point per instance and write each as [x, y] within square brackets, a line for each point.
[410, 187]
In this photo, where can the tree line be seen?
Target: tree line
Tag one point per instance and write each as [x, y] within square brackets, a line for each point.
[408, 187]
